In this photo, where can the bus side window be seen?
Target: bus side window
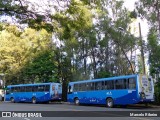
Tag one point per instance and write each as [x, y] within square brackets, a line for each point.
[132, 83]
[12, 89]
[35, 88]
[89, 86]
[75, 88]
[82, 87]
[41, 88]
[47, 88]
[92, 86]
[103, 85]
[28, 88]
[109, 85]
[125, 83]
[15, 89]
[119, 84]
[22, 89]
[18, 89]
[98, 85]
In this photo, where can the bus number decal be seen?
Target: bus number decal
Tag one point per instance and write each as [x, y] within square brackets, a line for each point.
[109, 93]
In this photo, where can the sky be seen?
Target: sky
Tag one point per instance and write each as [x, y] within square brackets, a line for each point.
[129, 4]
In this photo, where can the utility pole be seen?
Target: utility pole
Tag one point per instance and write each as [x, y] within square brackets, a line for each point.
[158, 16]
[142, 52]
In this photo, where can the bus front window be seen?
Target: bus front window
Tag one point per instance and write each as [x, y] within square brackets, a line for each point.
[8, 91]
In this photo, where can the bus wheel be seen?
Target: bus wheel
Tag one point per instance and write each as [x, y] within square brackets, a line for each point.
[12, 100]
[76, 101]
[34, 100]
[109, 102]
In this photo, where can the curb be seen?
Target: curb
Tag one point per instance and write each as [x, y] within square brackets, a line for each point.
[65, 103]
[143, 105]
[60, 102]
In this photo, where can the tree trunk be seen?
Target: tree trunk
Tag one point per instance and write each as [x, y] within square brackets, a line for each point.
[64, 90]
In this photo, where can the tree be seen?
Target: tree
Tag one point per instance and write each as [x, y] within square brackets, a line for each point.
[153, 45]
[41, 69]
[69, 24]
[113, 43]
[10, 49]
[149, 9]
[21, 48]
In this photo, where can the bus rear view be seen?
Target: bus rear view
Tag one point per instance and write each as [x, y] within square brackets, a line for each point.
[146, 89]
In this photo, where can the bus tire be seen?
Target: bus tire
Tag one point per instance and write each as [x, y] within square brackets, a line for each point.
[76, 101]
[34, 101]
[12, 100]
[109, 102]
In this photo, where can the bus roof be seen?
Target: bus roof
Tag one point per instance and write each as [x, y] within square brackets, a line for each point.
[31, 84]
[109, 78]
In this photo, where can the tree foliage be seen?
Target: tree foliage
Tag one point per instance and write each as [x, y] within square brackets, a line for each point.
[28, 52]
[149, 9]
[69, 40]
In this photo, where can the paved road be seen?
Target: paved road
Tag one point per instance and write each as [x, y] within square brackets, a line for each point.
[79, 112]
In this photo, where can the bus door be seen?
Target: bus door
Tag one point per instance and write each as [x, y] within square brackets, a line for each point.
[34, 91]
[82, 94]
[22, 94]
[70, 93]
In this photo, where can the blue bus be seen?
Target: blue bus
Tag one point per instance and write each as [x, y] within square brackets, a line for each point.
[121, 90]
[39, 92]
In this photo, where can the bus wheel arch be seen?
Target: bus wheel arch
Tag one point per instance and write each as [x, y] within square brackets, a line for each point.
[12, 100]
[34, 100]
[76, 101]
[109, 102]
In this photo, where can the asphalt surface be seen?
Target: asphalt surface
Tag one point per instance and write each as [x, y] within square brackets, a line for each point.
[61, 111]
